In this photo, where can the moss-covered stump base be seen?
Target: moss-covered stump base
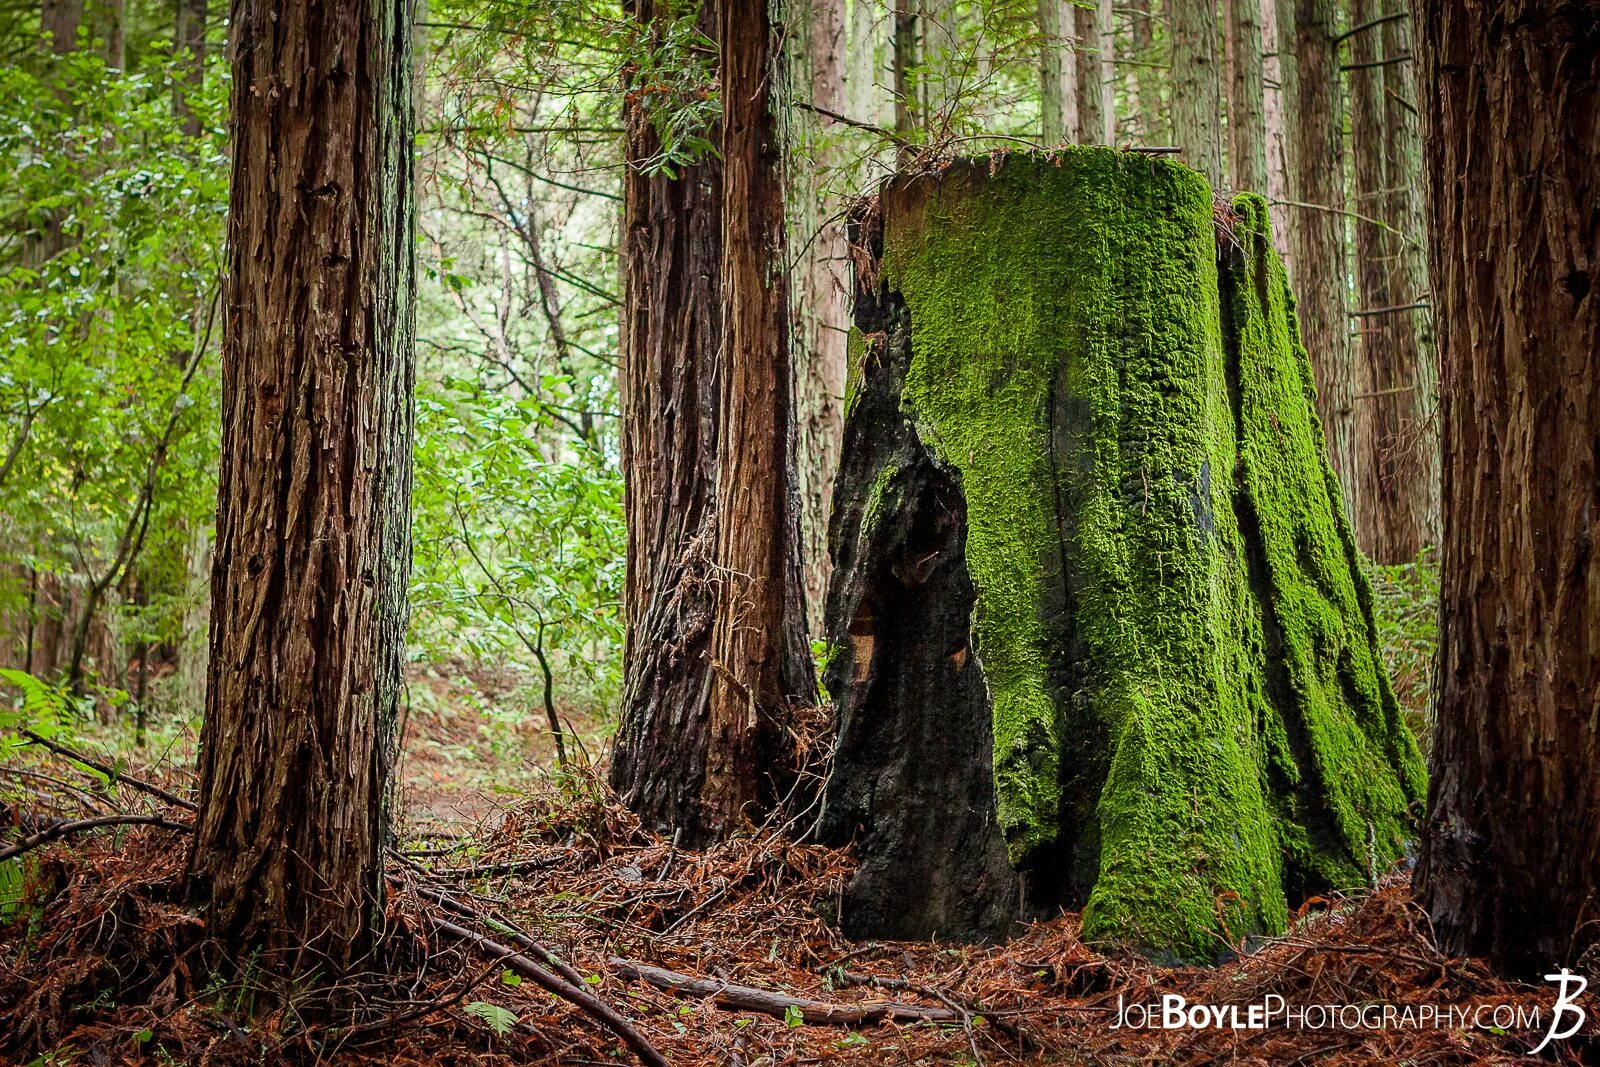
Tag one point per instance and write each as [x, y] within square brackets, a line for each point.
[1099, 634]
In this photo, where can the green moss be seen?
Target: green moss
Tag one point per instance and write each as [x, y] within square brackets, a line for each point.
[1068, 360]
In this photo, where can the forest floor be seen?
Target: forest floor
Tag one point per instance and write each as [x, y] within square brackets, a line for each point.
[728, 957]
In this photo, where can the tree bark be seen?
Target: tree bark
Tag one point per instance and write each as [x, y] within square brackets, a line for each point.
[313, 518]
[1372, 351]
[760, 657]
[1096, 114]
[1058, 73]
[672, 397]
[821, 305]
[1247, 119]
[1415, 378]
[189, 33]
[1197, 85]
[1508, 863]
[906, 32]
[59, 20]
[1317, 237]
[1147, 78]
[1086, 528]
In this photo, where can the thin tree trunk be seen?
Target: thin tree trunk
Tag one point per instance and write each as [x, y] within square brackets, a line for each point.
[116, 41]
[1415, 521]
[1277, 72]
[59, 21]
[865, 58]
[1058, 73]
[1508, 863]
[1147, 77]
[759, 653]
[1247, 119]
[313, 515]
[1376, 435]
[1317, 238]
[190, 34]
[672, 393]
[1197, 85]
[821, 307]
[1094, 68]
[906, 59]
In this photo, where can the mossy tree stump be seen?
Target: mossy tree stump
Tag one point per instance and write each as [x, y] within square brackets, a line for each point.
[1100, 637]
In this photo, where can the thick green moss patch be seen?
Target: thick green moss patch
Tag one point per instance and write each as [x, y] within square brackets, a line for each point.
[1188, 711]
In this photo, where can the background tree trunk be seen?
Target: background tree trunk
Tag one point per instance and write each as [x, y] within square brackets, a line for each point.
[1058, 72]
[313, 519]
[1372, 350]
[190, 34]
[760, 657]
[1086, 521]
[672, 396]
[1508, 863]
[1416, 362]
[821, 306]
[1247, 120]
[1317, 239]
[1095, 67]
[1197, 85]
[59, 19]
[1147, 79]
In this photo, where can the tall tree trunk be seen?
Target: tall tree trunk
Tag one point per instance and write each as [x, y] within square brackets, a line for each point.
[1513, 840]
[759, 652]
[672, 396]
[865, 59]
[1247, 119]
[1096, 116]
[1197, 85]
[1096, 610]
[59, 20]
[1277, 74]
[821, 306]
[906, 60]
[1415, 377]
[313, 516]
[1058, 72]
[190, 34]
[1317, 237]
[1147, 63]
[1375, 437]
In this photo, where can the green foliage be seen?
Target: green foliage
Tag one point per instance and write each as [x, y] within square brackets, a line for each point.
[500, 1020]
[518, 539]
[108, 389]
[1405, 603]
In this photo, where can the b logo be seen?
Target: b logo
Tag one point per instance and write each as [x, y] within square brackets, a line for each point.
[1564, 1004]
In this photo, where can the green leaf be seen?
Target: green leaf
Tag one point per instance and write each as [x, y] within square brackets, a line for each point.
[500, 1020]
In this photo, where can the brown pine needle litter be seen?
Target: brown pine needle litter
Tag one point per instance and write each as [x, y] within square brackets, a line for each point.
[728, 957]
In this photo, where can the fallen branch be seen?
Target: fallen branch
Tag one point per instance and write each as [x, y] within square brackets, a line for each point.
[504, 929]
[62, 829]
[781, 1005]
[110, 772]
[903, 986]
[581, 998]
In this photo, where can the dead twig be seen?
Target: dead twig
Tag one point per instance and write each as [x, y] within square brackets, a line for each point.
[580, 998]
[111, 772]
[62, 829]
[780, 1005]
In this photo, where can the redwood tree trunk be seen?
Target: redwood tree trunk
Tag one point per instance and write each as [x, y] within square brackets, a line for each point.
[672, 393]
[1509, 863]
[1096, 609]
[1197, 85]
[313, 523]
[760, 657]
[1247, 117]
[1317, 233]
[1058, 73]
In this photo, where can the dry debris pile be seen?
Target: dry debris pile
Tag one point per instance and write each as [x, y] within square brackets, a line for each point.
[568, 935]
